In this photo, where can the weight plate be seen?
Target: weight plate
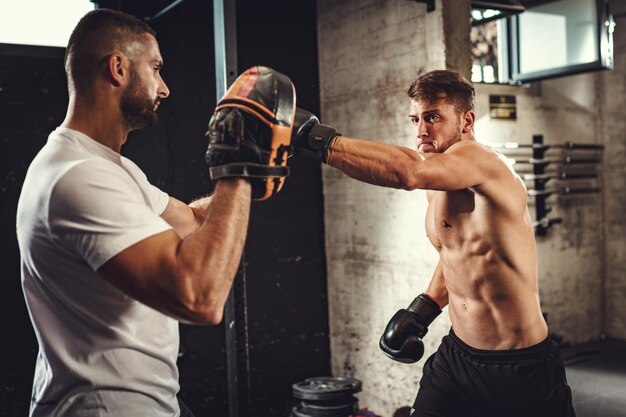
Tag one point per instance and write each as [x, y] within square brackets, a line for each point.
[330, 410]
[326, 388]
[300, 411]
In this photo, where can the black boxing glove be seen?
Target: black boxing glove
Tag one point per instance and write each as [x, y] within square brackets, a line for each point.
[250, 131]
[402, 339]
[310, 137]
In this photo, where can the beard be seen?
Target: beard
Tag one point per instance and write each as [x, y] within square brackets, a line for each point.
[137, 108]
[454, 138]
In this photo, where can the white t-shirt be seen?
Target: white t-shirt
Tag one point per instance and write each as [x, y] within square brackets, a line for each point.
[101, 353]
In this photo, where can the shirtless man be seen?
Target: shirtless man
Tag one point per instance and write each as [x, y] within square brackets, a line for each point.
[498, 359]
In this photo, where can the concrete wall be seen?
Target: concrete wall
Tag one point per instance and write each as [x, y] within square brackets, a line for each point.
[378, 255]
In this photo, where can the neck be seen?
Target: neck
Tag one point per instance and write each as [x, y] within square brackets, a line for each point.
[98, 118]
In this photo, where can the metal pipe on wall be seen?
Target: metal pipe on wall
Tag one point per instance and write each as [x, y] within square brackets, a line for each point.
[235, 310]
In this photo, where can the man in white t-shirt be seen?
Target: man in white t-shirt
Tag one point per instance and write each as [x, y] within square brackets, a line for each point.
[110, 263]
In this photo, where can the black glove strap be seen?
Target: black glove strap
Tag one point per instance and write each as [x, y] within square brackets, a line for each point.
[248, 171]
[321, 138]
[426, 308]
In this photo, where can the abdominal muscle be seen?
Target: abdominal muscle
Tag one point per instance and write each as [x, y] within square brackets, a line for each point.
[494, 309]
[489, 266]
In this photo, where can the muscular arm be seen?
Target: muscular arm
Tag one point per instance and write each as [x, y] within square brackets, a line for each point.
[464, 165]
[188, 279]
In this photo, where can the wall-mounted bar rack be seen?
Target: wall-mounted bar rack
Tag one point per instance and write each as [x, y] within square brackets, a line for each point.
[546, 168]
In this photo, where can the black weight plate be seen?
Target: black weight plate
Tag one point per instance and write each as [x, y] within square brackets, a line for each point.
[334, 402]
[330, 410]
[326, 388]
[300, 411]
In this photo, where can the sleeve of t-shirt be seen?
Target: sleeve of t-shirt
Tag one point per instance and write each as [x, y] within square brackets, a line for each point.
[158, 198]
[97, 210]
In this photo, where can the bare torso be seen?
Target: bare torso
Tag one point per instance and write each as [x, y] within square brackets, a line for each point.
[489, 265]
[477, 219]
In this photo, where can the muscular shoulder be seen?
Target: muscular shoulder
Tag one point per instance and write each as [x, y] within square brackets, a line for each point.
[478, 154]
[499, 180]
[482, 158]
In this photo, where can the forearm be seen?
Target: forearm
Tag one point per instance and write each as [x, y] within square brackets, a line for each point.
[437, 289]
[374, 162]
[210, 256]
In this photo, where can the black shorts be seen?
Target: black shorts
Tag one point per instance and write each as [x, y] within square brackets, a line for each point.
[460, 381]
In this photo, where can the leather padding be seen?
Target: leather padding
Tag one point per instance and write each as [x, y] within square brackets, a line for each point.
[271, 97]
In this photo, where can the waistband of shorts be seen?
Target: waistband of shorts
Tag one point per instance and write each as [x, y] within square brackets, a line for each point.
[527, 353]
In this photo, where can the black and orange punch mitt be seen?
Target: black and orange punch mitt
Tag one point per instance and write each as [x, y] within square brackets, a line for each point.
[250, 131]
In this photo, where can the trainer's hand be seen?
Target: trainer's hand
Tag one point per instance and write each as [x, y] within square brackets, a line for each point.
[402, 339]
[310, 137]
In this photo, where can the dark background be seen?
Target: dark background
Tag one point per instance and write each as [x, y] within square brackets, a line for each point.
[284, 264]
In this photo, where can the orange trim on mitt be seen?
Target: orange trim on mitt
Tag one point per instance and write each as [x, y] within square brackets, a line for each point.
[248, 109]
[281, 135]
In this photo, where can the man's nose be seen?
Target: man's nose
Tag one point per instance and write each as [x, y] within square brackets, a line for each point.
[422, 130]
[163, 91]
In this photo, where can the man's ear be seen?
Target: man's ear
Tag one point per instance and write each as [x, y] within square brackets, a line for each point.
[118, 68]
[469, 118]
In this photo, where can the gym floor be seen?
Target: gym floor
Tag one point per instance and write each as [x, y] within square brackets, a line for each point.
[596, 373]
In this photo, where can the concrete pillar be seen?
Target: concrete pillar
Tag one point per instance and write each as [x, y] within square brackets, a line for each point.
[612, 84]
[378, 255]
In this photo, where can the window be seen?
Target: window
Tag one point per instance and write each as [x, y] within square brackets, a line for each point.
[40, 22]
[561, 38]
[555, 39]
[490, 52]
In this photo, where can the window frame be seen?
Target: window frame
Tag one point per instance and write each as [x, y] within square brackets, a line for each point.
[604, 61]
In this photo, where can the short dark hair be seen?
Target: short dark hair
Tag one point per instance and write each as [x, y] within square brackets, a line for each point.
[98, 33]
[444, 84]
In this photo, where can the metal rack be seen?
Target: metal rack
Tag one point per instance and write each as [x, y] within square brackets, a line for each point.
[559, 168]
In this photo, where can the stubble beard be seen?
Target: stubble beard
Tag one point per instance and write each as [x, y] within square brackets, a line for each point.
[456, 138]
[138, 109]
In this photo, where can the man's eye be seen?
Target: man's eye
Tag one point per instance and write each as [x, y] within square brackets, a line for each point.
[415, 120]
[432, 118]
